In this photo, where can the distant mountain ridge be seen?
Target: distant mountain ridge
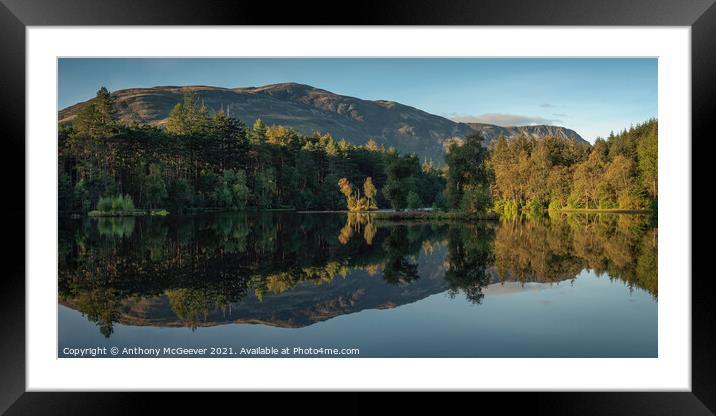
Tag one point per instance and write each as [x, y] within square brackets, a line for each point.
[491, 131]
[308, 109]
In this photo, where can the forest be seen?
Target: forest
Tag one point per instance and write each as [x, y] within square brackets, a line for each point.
[201, 159]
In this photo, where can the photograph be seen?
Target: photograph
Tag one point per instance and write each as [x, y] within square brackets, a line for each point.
[357, 207]
[447, 197]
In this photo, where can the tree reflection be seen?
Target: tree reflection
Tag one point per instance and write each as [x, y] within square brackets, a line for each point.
[468, 259]
[116, 226]
[399, 266]
[204, 265]
[355, 221]
[620, 246]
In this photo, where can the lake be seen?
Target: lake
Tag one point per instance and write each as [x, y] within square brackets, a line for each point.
[350, 285]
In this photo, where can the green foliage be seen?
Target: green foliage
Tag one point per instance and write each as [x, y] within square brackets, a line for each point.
[554, 205]
[122, 203]
[507, 208]
[413, 200]
[96, 120]
[469, 255]
[182, 165]
[441, 202]
[647, 151]
[258, 132]
[466, 168]
[233, 192]
[476, 199]
[402, 173]
[512, 209]
[116, 227]
[204, 159]
[81, 194]
[265, 188]
[65, 193]
[647, 264]
[154, 187]
[118, 203]
[534, 208]
[104, 204]
[559, 173]
[188, 118]
[398, 268]
[180, 195]
[396, 194]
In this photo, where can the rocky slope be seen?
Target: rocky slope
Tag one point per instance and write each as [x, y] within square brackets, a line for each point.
[491, 132]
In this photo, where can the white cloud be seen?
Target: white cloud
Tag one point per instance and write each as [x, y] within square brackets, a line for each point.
[505, 119]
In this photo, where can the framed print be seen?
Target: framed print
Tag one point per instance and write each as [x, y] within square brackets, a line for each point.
[470, 200]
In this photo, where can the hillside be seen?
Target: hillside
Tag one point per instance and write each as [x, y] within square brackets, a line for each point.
[309, 109]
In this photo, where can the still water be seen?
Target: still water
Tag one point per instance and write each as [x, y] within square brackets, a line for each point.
[318, 285]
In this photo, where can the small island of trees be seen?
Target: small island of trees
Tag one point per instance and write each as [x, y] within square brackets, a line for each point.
[203, 160]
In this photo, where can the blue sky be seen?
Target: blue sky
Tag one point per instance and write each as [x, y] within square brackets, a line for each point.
[590, 95]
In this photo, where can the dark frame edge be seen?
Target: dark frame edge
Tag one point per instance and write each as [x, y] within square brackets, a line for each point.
[703, 109]
[12, 354]
[12, 306]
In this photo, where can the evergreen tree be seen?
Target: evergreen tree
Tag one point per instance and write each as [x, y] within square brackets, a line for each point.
[97, 119]
[258, 132]
[188, 118]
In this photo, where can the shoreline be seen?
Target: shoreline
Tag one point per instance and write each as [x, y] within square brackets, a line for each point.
[377, 214]
[605, 210]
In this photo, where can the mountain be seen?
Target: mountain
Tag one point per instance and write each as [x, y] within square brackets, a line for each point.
[301, 306]
[491, 132]
[309, 303]
[308, 109]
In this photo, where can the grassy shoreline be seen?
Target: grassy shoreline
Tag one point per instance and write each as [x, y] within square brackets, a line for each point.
[379, 215]
[128, 213]
[434, 215]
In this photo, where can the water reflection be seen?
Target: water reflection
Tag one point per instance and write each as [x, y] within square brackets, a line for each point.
[293, 270]
[355, 221]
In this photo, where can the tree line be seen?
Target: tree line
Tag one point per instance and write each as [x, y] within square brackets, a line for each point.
[201, 159]
[528, 176]
[619, 172]
[204, 159]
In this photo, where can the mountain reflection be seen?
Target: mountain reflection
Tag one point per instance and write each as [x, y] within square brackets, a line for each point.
[292, 270]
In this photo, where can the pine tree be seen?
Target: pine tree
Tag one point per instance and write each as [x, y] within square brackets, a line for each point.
[258, 132]
[97, 119]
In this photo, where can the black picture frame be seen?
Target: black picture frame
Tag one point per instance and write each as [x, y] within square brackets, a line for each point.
[699, 15]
